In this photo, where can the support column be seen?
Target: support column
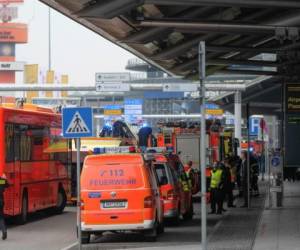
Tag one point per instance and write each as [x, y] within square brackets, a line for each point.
[238, 117]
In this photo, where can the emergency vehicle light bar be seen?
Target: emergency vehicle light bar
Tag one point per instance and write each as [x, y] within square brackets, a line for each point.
[156, 150]
[114, 150]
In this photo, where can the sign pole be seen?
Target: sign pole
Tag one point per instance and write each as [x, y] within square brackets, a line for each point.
[248, 154]
[77, 122]
[202, 74]
[78, 145]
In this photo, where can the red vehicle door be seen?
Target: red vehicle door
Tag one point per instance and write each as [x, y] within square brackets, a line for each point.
[12, 168]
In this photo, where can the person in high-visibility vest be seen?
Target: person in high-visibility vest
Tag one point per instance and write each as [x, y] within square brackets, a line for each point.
[184, 182]
[189, 173]
[215, 188]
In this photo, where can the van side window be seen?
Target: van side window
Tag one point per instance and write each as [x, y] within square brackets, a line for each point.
[152, 177]
[161, 173]
[174, 174]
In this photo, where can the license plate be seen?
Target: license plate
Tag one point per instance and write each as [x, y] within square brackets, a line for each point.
[114, 204]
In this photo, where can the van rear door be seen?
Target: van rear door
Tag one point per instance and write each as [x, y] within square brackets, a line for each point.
[113, 193]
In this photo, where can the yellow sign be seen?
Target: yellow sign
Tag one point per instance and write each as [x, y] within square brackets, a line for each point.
[64, 80]
[112, 112]
[214, 111]
[31, 76]
[31, 73]
[50, 80]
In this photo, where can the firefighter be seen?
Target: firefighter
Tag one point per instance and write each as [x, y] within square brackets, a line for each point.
[193, 177]
[229, 181]
[189, 173]
[184, 181]
[254, 172]
[216, 189]
[144, 134]
[3, 186]
[244, 176]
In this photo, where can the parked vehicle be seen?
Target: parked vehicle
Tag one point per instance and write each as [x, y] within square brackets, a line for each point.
[169, 187]
[180, 179]
[38, 179]
[120, 192]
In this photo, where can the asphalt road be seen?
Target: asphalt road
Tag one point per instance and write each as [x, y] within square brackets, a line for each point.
[45, 232]
[42, 232]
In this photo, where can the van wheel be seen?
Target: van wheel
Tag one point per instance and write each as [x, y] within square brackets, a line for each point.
[85, 237]
[22, 218]
[61, 201]
[151, 234]
[161, 228]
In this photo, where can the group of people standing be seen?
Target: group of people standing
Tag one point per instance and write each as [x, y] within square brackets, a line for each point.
[225, 175]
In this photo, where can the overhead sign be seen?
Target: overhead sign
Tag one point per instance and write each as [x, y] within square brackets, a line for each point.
[77, 122]
[293, 98]
[292, 124]
[112, 87]
[13, 33]
[133, 109]
[12, 66]
[112, 77]
[214, 111]
[254, 126]
[175, 87]
[112, 110]
[212, 106]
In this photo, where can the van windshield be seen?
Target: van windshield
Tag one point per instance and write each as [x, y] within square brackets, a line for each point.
[161, 174]
[112, 176]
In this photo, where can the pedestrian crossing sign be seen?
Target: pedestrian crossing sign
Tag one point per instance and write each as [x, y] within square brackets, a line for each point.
[77, 122]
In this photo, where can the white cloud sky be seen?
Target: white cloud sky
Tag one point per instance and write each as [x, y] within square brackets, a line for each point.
[76, 50]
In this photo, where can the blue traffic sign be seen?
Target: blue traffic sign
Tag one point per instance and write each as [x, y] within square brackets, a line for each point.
[77, 122]
[254, 126]
[275, 161]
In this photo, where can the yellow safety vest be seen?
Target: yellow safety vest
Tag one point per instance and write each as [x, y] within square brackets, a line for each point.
[215, 178]
[184, 183]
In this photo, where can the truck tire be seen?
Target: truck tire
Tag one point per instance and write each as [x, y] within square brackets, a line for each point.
[161, 228]
[22, 218]
[85, 237]
[61, 201]
[151, 234]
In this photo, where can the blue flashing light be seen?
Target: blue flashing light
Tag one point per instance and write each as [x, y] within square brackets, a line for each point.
[107, 125]
[251, 149]
[145, 125]
[97, 151]
[170, 149]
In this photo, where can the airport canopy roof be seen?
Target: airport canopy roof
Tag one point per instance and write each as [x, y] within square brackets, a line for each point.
[246, 37]
[239, 35]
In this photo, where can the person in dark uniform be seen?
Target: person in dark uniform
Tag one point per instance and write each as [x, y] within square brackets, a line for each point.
[244, 176]
[254, 173]
[223, 186]
[228, 183]
[3, 186]
[143, 135]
